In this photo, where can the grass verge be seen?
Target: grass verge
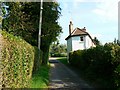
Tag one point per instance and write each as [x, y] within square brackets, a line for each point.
[40, 78]
[63, 60]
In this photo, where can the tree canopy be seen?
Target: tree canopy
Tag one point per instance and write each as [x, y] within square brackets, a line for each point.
[23, 20]
[96, 41]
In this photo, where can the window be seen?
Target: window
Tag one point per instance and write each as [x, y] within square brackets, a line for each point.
[81, 38]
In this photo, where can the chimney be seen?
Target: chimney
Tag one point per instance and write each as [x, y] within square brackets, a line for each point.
[84, 29]
[70, 27]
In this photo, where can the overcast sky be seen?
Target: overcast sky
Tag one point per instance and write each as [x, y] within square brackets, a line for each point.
[100, 17]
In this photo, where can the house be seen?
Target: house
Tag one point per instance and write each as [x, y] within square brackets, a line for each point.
[78, 39]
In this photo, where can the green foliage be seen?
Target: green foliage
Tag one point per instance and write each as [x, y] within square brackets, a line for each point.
[23, 21]
[40, 78]
[99, 63]
[63, 60]
[0, 19]
[50, 27]
[58, 55]
[37, 59]
[96, 41]
[58, 50]
[17, 62]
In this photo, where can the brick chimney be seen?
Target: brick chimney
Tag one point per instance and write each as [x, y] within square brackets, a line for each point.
[70, 27]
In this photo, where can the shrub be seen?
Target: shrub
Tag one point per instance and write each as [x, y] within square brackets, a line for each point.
[116, 64]
[101, 62]
[17, 62]
[76, 58]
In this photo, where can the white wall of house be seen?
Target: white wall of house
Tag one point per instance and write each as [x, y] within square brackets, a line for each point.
[69, 45]
[77, 44]
[89, 42]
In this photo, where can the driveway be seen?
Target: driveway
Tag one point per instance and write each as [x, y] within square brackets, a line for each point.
[62, 77]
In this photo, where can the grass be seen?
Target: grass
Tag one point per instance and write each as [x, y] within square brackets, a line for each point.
[63, 60]
[40, 79]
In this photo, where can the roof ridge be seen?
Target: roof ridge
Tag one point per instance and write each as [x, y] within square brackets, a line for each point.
[82, 30]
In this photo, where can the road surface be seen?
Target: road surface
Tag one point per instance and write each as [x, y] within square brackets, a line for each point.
[62, 77]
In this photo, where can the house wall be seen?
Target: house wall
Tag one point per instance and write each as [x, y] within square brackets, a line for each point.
[74, 43]
[77, 44]
[89, 42]
[69, 46]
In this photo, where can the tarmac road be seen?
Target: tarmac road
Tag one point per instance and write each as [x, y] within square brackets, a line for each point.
[63, 78]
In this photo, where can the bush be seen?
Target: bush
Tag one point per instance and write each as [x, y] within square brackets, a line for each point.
[101, 62]
[116, 64]
[17, 62]
[76, 59]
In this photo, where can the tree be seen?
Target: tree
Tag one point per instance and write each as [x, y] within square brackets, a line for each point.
[96, 41]
[58, 49]
[115, 41]
[23, 21]
[118, 42]
[50, 27]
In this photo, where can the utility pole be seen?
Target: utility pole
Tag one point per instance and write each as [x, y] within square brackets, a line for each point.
[40, 24]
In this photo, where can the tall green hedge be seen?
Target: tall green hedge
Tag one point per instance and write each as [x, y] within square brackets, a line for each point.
[17, 61]
[101, 62]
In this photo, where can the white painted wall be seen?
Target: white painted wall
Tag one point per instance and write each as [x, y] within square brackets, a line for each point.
[89, 42]
[77, 44]
[74, 43]
[69, 46]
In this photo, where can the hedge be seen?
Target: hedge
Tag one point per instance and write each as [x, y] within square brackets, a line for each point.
[17, 61]
[99, 63]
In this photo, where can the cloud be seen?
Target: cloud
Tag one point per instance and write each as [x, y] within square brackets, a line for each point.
[99, 12]
[79, 1]
[88, 0]
[108, 9]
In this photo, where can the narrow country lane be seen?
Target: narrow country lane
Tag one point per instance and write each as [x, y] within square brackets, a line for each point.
[62, 77]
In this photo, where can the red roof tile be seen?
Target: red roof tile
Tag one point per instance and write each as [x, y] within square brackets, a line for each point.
[78, 32]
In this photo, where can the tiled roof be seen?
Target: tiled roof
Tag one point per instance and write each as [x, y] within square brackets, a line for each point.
[78, 32]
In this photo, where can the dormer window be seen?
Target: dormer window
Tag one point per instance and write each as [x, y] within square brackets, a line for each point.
[81, 39]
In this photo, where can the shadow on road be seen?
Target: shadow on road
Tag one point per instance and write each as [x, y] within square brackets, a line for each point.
[62, 77]
[53, 61]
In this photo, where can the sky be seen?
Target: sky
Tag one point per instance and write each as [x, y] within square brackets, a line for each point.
[100, 17]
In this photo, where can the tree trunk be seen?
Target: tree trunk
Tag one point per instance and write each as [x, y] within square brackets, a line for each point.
[37, 59]
[45, 56]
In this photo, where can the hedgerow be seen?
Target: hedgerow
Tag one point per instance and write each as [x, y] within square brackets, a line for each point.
[99, 63]
[17, 61]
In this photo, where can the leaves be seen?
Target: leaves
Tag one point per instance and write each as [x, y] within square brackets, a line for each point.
[17, 60]
[24, 18]
[102, 62]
